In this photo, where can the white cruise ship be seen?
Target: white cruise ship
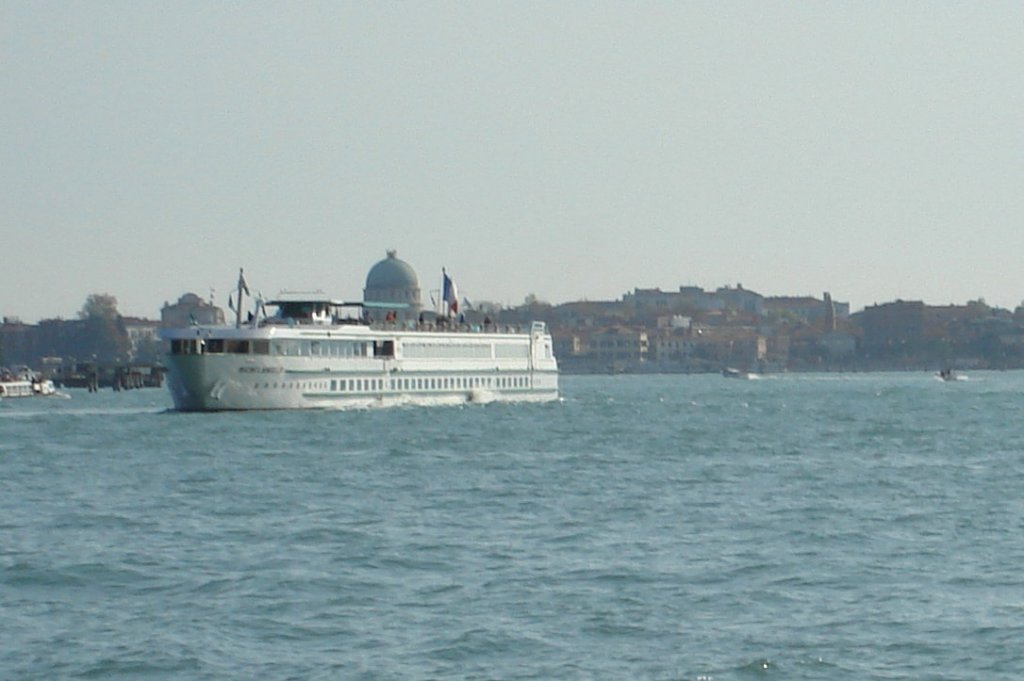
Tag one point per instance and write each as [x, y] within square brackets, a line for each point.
[309, 355]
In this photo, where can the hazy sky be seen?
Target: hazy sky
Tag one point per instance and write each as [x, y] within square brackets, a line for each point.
[567, 149]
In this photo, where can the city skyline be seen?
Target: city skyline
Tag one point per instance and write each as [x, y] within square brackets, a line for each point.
[571, 151]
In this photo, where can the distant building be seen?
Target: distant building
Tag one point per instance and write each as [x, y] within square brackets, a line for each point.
[394, 281]
[567, 344]
[190, 309]
[618, 345]
[838, 344]
[738, 299]
[16, 342]
[824, 312]
[675, 322]
[143, 339]
[653, 302]
[893, 327]
[671, 344]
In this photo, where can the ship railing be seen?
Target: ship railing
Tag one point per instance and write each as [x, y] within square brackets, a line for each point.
[432, 327]
[411, 325]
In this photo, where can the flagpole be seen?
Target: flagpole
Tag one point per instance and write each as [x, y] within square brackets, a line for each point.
[238, 303]
[440, 297]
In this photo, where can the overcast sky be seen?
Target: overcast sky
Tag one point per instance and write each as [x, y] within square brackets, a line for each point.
[567, 149]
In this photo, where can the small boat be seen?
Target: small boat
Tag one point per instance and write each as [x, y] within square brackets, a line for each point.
[949, 375]
[23, 382]
[730, 372]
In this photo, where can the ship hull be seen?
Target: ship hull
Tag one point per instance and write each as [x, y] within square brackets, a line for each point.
[227, 369]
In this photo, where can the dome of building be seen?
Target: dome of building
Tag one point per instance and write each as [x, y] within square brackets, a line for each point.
[393, 280]
[391, 273]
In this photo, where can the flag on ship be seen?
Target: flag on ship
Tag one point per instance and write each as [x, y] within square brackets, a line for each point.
[451, 294]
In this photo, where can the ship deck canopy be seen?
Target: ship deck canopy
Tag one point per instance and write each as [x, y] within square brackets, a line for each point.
[320, 308]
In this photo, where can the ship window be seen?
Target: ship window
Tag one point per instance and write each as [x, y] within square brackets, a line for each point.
[261, 347]
[214, 346]
[238, 347]
[385, 348]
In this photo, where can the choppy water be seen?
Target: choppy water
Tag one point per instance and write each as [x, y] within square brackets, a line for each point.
[661, 527]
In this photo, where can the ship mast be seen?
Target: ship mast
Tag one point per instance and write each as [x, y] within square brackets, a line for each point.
[242, 287]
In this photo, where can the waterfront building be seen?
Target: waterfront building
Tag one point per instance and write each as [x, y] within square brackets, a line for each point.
[393, 281]
[190, 309]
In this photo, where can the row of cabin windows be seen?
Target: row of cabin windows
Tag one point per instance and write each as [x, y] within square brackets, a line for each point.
[404, 384]
[285, 348]
[340, 348]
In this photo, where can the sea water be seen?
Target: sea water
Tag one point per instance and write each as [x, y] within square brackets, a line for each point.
[859, 526]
